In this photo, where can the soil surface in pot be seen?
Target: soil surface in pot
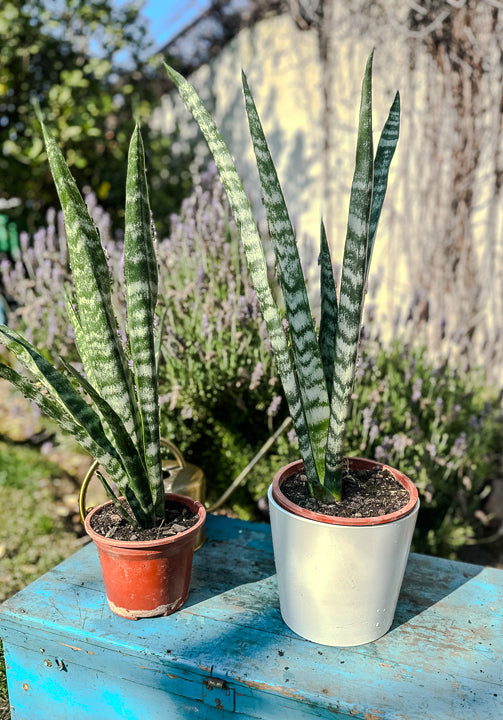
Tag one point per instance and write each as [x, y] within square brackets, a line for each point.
[365, 493]
[109, 523]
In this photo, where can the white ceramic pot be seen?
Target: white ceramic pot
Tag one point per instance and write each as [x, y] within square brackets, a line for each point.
[339, 583]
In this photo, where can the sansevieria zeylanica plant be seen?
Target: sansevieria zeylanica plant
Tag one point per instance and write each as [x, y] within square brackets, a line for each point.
[317, 372]
[113, 412]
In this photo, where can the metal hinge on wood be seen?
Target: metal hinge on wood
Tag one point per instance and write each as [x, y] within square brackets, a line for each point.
[218, 694]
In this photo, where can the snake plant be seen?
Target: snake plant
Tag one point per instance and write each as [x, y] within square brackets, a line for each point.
[317, 371]
[113, 411]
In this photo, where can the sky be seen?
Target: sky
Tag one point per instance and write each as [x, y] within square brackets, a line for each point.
[168, 17]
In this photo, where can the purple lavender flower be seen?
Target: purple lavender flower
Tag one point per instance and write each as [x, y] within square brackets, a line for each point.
[459, 447]
[416, 390]
[431, 449]
[257, 374]
[400, 442]
[366, 420]
[201, 278]
[205, 326]
[373, 434]
[292, 436]
[273, 408]
[380, 453]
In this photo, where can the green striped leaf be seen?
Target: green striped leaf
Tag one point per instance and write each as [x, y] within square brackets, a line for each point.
[328, 320]
[140, 267]
[80, 341]
[306, 351]
[352, 288]
[71, 405]
[256, 263]
[384, 155]
[53, 410]
[60, 388]
[137, 485]
[100, 450]
[80, 337]
[93, 292]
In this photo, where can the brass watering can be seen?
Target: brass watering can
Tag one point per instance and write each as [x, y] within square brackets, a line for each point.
[180, 477]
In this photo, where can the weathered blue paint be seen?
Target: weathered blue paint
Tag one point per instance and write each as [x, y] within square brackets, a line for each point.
[228, 654]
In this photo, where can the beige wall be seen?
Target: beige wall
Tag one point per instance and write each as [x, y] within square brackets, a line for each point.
[283, 69]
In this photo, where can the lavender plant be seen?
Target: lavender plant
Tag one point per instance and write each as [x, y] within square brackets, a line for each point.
[43, 264]
[212, 350]
[120, 427]
[440, 425]
[317, 373]
[218, 382]
[220, 394]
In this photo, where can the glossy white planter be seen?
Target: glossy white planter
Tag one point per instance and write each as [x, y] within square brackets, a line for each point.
[339, 583]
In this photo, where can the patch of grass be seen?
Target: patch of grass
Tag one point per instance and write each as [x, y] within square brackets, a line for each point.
[4, 698]
[21, 465]
[35, 533]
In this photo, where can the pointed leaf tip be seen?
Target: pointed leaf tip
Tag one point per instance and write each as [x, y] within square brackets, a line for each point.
[369, 63]
[174, 75]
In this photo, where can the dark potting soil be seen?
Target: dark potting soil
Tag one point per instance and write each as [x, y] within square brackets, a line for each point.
[109, 523]
[365, 493]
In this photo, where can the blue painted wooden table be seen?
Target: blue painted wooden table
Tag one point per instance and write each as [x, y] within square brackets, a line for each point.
[228, 654]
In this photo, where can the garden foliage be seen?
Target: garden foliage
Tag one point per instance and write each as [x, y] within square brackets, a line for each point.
[439, 424]
[92, 67]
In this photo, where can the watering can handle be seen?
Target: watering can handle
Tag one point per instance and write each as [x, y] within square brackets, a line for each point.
[176, 452]
[89, 475]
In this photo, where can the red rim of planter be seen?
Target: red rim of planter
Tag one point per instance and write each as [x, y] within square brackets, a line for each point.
[356, 464]
[194, 506]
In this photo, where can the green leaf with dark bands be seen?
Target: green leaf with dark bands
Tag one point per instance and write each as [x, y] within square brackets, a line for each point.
[97, 446]
[131, 460]
[328, 320]
[140, 266]
[93, 292]
[306, 351]
[256, 263]
[352, 288]
[384, 155]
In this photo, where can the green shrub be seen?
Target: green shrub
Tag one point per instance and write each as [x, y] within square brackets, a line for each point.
[219, 390]
[221, 397]
[439, 426]
[217, 376]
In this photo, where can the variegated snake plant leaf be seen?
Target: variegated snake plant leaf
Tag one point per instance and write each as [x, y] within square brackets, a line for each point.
[317, 373]
[120, 425]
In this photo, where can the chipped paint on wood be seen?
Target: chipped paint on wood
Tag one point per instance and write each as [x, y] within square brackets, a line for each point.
[76, 649]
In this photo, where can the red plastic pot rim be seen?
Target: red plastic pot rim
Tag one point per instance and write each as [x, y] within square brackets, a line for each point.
[193, 505]
[357, 464]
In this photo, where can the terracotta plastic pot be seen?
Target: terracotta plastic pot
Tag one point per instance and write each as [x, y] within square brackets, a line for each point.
[339, 578]
[146, 579]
